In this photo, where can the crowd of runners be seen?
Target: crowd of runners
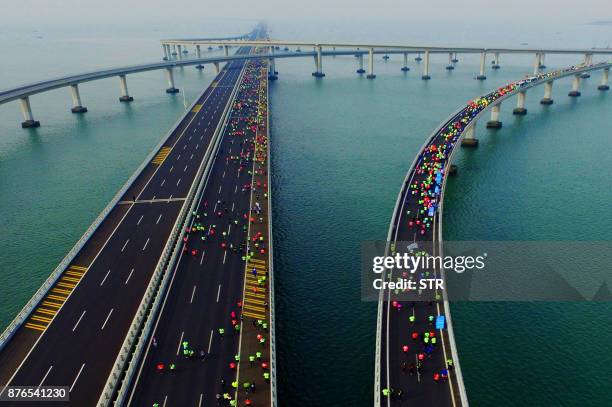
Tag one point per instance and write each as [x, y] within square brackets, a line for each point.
[420, 203]
[248, 372]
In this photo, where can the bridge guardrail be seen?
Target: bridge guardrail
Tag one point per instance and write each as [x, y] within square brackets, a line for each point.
[154, 296]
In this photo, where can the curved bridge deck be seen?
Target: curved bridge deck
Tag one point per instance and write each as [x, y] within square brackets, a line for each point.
[417, 218]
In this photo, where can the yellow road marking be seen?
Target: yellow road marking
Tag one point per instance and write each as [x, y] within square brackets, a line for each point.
[57, 290]
[35, 326]
[78, 267]
[66, 285]
[250, 294]
[46, 311]
[41, 319]
[51, 304]
[161, 156]
[259, 267]
[257, 261]
[256, 316]
[254, 308]
[249, 300]
[196, 108]
[76, 280]
[56, 297]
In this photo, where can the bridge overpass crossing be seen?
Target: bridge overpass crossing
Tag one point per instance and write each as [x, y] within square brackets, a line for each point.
[409, 364]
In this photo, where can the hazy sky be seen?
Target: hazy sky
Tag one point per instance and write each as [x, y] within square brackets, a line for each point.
[18, 11]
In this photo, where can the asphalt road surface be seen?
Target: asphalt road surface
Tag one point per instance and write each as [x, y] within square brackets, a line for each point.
[74, 336]
[207, 283]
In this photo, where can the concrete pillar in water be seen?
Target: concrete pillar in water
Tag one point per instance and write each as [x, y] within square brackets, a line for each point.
[481, 75]
[28, 118]
[125, 96]
[370, 74]
[520, 105]
[180, 51]
[405, 67]
[542, 58]
[217, 67]
[199, 56]
[77, 106]
[272, 74]
[495, 61]
[425, 75]
[575, 92]
[468, 139]
[170, 78]
[360, 70]
[450, 65]
[318, 73]
[536, 64]
[604, 80]
[418, 57]
[547, 99]
[165, 58]
[494, 123]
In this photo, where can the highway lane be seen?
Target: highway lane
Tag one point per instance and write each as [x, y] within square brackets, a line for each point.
[206, 286]
[78, 346]
[400, 370]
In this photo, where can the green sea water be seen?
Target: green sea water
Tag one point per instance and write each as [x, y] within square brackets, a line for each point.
[340, 149]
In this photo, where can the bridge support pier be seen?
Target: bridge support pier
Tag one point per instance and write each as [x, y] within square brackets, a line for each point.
[468, 139]
[174, 50]
[604, 80]
[418, 57]
[425, 75]
[318, 73]
[360, 70]
[166, 53]
[450, 65]
[455, 59]
[542, 64]
[125, 96]
[547, 100]
[77, 106]
[575, 92]
[405, 67]
[494, 123]
[520, 110]
[495, 61]
[272, 74]
[28, 118]
[588, 60]
[180, 52]
[226, 50]
[199, 56]
[170, 77]
[370, 74]
[536, 64]
[481, 75]
[217, 67]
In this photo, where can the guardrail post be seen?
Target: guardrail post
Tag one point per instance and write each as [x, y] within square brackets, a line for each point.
[370, 74]
[575, 92]
[28, 118]
[125, 97]
[425, 75]
[520, 105]
[604, 80]
[77, 106]
[170, 78]
[547, 100]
